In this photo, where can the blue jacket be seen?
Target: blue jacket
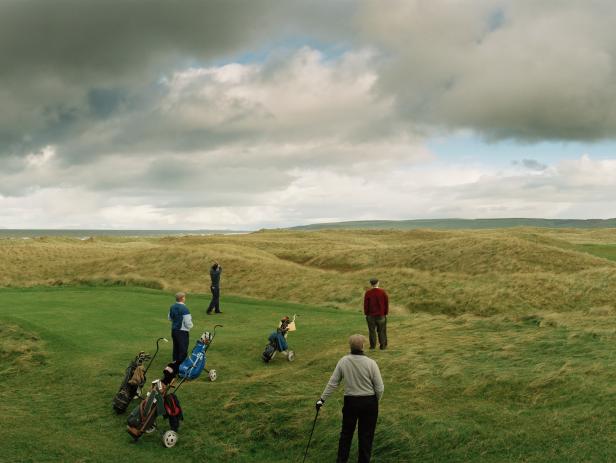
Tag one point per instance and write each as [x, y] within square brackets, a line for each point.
[180, 317]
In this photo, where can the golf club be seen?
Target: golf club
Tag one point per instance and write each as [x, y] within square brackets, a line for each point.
[310, 438]
[155, 353]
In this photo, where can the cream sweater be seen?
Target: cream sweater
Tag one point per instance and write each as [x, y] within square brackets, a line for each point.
[361, 377]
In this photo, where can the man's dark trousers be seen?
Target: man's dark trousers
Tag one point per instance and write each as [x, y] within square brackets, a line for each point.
[364, 410]
[215, 302]
[180, 345]
[377, 324]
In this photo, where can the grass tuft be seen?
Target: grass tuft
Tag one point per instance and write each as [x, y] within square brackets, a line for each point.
[20, 350]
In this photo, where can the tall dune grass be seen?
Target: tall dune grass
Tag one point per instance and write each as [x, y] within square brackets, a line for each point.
[481, 272]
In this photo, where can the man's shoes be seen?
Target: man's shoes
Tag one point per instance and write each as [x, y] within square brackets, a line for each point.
[383, 347]
[371, 347]
[208, 313]
[218, 312]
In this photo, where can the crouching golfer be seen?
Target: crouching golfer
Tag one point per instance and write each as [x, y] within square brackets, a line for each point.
[363, 388]
[181, 323]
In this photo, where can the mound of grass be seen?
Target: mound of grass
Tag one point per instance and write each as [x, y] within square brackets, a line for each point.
[451, 272]
[114, 280]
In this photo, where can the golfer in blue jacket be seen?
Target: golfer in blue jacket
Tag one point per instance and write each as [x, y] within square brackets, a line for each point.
[181, 323]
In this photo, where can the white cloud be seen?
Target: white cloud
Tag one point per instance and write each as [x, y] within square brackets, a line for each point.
[301, 97]
[293, 121]
[40, 158]
[581, 187]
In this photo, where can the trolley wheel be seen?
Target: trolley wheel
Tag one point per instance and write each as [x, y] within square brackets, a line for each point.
[151, 429]
[170, 438]
[150, 425]
[212, 375]
[291, 356]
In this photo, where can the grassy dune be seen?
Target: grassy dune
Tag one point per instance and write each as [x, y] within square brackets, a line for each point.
[451, 272]
[523, 371]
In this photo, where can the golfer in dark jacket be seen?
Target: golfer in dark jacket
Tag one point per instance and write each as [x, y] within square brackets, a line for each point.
[376, 308]
[215, 272]
[181, 323]
[363, 388]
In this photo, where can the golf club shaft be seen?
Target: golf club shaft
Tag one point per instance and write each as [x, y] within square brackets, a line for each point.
[311, 432]
[155, 354]
[214, 331]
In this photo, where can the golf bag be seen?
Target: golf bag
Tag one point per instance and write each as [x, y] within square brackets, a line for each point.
[158, 402]
[193, 365]
[162, 399]
[134, 379]
[173, 411]
[278, 341]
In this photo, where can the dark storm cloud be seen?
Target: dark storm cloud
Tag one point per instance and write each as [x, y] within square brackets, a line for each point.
[68, 63]
[505, 69]
[103, 101]
[121, 40]
[525, 69]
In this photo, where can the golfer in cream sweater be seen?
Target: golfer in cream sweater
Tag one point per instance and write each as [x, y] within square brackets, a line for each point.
[363, 388]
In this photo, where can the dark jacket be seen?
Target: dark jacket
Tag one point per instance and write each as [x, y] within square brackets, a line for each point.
[376, 303]
[215, 275]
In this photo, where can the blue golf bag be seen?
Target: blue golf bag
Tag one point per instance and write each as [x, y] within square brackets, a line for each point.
[278, 339]
[193, 365]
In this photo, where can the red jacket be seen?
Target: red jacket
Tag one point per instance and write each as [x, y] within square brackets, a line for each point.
[376, 303]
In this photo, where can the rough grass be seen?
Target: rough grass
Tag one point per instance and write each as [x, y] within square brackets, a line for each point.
[507, 388]
[20, 350]
[483, 272]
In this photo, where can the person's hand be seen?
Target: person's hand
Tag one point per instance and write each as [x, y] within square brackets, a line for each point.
[319, 404]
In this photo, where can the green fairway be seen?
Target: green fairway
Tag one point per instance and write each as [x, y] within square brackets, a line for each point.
[607, 251]
[536, 388]
[59, 408]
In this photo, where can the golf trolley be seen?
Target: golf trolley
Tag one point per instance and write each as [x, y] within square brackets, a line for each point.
[278, 341]
[134, 379]
[193, 365]
[162, 400]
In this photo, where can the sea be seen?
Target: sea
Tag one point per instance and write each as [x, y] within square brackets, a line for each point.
[8, 233]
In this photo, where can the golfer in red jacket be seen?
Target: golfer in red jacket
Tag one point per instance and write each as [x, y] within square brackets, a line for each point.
[376, 308]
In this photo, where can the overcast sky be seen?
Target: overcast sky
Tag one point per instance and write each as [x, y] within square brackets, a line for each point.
[260, 113]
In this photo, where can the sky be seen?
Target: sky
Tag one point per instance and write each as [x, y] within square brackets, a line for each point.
[228, 114]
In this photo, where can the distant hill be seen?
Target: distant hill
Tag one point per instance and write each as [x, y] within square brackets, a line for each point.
[453, 224]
